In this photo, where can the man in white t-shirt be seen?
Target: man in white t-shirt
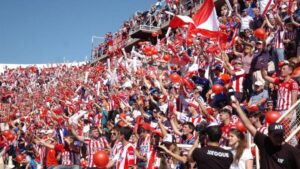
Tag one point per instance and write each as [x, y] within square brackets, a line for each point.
[245, 20]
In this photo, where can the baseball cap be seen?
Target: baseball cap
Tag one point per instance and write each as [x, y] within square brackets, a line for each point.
[283, 62]
[168, 139]
[259, 83]
[276, 128]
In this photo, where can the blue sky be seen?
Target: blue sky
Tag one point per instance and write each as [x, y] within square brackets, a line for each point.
[47, 31]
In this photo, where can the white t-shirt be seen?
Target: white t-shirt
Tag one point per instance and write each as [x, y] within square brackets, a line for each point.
[247, 155]
[245, 22]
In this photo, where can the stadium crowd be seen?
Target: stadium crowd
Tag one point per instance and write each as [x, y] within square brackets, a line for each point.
[183, 102]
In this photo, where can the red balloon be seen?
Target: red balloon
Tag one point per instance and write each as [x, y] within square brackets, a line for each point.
[188, 83]
[19, 158]
[175, 78]
[154, 50]
[100, 159]
[190, 41]
[272, 116]
[5, 133]
[225, 78]
[10, 137]
[260, 33]
[146, 49]
[154, 34]
[240, 126]
[167, 57]
[217, 88]
[296, 72]
[149, 53]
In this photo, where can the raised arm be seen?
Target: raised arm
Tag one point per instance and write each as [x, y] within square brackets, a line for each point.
[80, 138]
[175, 128]
[162, 127]
[265, 75]
[243, 117]
[44, 143]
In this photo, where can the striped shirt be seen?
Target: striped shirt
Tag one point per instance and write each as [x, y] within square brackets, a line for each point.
[115, 150]
[278, 38]
[125, 157]
[93, 146]
[238, 80]
[284, 93]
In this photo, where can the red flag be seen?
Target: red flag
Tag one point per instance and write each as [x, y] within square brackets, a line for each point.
[180, 21]
[206, 20]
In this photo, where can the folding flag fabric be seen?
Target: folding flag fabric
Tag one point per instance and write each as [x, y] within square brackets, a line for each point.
[180, 21]
[206, 18]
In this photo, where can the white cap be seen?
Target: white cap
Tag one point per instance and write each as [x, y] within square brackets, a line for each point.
[168, 138]
[259, 83]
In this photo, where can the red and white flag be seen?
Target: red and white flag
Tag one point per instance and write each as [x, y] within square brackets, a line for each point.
[180, 21]
[206, 18]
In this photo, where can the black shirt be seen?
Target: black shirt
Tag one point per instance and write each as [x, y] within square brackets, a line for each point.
[272, 157]
[211, 157]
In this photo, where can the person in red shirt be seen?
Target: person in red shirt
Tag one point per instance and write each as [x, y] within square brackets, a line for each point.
[287, 87]
[93, 144]
[226, 125]
[125, 159]
[238, 76]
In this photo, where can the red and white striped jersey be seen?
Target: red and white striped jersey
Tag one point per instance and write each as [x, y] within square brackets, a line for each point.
[152, 159]
[66, 160]
[41, 151]
[195, 120]
[238, 80]
[125, 157]
[278, 38]
[115, 150]
[98, 119]
[284, 93]
[93, 146]
[225, 133]
[263, 130]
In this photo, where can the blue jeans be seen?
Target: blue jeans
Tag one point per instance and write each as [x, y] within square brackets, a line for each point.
[280, 53]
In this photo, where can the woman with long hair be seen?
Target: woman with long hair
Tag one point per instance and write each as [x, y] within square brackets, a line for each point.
[243, 158]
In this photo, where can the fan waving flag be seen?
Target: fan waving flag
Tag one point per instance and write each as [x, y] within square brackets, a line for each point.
[206, 21]
[206, 18]
[180, 21]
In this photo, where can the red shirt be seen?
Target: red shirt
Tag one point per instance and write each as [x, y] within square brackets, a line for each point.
[126, 157]
[51, 157]
[284, 93]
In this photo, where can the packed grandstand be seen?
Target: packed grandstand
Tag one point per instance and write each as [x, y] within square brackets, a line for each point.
[186, 84]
